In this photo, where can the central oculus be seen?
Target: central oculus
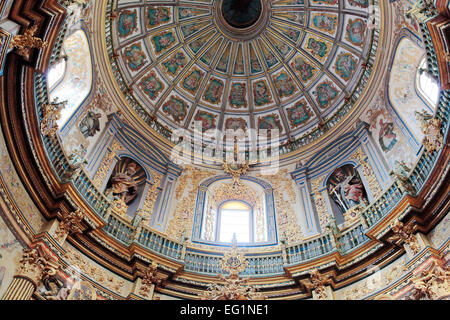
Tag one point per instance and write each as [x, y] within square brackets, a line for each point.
[241, 13]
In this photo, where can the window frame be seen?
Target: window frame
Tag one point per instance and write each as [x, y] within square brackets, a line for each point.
[250, 222]
[419, 88]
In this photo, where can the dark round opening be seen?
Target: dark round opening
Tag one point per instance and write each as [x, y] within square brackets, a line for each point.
[241, 13]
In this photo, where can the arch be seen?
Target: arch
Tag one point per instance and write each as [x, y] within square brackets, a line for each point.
[267, 207]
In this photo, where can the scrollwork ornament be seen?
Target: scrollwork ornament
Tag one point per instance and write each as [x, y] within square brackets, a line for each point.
[149, 278]
[27, 41]
[404, 234]
[36, 265]
[431, 128]
[317, 283]
[70, 224]
[50, 115]
[432, 283]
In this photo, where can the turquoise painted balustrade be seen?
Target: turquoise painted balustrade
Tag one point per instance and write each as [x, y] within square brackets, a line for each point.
[351, 238]
[264, 265]
[157, 243]
[310, 249]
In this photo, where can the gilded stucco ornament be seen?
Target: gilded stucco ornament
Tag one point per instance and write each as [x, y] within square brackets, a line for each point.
[317, 283]
[432, 283]
[51, 114]
[105, 166]
[235, 288]
[319, 200]
[36, 264]
[368, 173]
[70, 224]
[149, 278]
[401, 172]
[78, 264]
[404, 234]
[431, 128]
[285, 199]
[23, 43]
[181, 223]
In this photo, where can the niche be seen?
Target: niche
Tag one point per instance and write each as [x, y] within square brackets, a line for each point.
[346, 190]
[126, 185]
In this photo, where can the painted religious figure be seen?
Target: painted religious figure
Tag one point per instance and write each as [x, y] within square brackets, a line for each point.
[135, 57]
[157, 16]
[152, 86]
[299, 113]
[284, 84]
[261, 93]
[325, 93]
[305, 70]
[190, 29]
[127, 22]
[387, 137]
[192, 81]
[237, 95]
[325, 21]
[270, 122]
[178, 60]
[317, 48]
[214, 91]
[175, 107]
[345, 65]
[163, 41]
[207, 119]
[359, 3]
[235, 124]
[222, 65]
[255, 66]
[90, 124]
[197, 44]
[355, 31]
[346, 189]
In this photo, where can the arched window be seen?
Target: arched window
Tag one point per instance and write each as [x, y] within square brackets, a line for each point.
[235, 218]
[56, 73]
[427, 85]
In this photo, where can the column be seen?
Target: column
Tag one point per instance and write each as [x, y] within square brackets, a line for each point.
[37, 262]
[310, 225]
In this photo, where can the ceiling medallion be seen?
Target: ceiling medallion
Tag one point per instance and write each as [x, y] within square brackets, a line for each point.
[242, 19]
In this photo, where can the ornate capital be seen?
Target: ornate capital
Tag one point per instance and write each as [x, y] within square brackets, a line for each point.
[70, 223]
[37, 264]
[149, 278]
[317, 283]
[404, 234]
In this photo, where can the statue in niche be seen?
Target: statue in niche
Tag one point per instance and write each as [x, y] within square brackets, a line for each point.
[125, 181]
[90, 124]
[346, 189]
[123, 184]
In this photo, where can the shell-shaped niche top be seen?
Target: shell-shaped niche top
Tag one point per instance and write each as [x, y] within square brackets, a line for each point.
[240, 64]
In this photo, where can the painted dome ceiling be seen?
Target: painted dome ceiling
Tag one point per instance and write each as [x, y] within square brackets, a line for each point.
[241, 64]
